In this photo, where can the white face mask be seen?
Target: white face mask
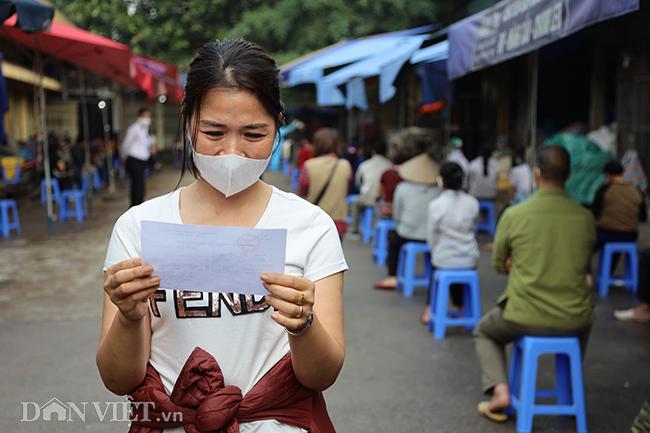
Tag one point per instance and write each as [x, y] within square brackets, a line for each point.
[144, 121]
[231, 174]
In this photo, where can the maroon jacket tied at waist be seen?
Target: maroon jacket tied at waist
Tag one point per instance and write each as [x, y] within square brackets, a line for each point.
[206, 405]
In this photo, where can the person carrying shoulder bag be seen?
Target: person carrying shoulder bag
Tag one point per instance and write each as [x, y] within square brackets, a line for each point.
[326, 177]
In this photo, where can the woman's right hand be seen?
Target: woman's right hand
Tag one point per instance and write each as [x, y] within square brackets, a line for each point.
[129, 284]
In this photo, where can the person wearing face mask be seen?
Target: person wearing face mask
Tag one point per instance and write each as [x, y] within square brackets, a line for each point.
[226, 360]
[136, 151]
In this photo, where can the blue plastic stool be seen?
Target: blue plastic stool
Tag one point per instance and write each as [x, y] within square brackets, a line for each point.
[15, 179]
[295, 178]
[605, 277]
[488, 221]
[56, 191]
[380, 241]
[77, 196]
[407, 278]
[365, 225]
[6, 223]
[568, 392]
[97, 181]
[471, 312]
[351, 200]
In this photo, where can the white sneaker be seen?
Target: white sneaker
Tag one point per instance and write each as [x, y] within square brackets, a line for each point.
[630, 316]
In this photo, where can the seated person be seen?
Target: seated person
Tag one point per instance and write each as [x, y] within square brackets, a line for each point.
[367, 180]
[521, 178]
[65, 175]
[483, 175]
[410, 206]
[618, 208]
[545, 244]
[389, 181]
[451, 232]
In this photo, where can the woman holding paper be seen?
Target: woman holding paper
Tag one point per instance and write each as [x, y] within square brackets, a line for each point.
[224, 360]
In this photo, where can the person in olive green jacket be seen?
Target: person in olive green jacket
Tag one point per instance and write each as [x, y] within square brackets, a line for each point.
[545, 245]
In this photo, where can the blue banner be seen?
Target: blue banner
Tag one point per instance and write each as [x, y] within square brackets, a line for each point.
[514, 27]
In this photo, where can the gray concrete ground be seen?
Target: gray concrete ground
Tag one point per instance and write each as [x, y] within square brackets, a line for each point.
[396, 377]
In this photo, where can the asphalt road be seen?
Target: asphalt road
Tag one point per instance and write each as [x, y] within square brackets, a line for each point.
[396, 378]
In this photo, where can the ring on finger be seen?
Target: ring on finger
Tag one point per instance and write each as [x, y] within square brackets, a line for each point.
[299, 315]
[302, 299]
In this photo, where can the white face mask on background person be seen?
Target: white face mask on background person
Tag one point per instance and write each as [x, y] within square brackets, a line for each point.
[144, 121]
[231, 174]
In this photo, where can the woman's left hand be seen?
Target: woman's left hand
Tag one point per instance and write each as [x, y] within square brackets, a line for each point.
[292, 297]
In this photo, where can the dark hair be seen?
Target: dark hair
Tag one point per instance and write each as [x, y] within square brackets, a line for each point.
[143, 110]
[520, 155]
[614, 168]
[326, 140]
[452, 176]
[554, 163]
[228, 64]
[380, 147]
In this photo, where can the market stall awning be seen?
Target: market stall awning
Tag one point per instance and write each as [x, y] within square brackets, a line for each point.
[433, 53]
[514, 27]
[384, 63]
[99, 55]
[310, 68]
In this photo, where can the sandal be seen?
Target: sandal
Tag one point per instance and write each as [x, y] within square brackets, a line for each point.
[380, 286]
[484, 409]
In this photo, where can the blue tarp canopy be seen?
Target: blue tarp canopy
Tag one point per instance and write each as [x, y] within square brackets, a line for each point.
[382, 55]
[514, 27]
[434, 53]
[309, 69]
[384, 63]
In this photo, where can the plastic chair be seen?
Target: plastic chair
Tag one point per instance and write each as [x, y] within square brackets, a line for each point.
[56, 191]
[568, 392]
[605, 277]
[407, 277]
[380, 241]
[487, 215]
[77, 197]
[9, 222]
[441, 317]
[365, 225]
[351, 199]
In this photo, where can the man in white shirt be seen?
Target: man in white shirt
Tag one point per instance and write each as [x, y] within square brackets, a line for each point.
[369, 173]
[368, 179]
[136, 150]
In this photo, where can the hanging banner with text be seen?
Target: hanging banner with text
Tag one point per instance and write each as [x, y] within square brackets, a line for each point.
[514, 27]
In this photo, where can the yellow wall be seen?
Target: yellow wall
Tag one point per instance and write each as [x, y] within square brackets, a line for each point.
[63, 118]
[20, 120]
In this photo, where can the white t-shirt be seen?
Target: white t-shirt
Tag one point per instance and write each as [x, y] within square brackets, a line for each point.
[236, 329]
[368, 178]
[136, 142]
[480, 185]
[451, 230]
[521, 178]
